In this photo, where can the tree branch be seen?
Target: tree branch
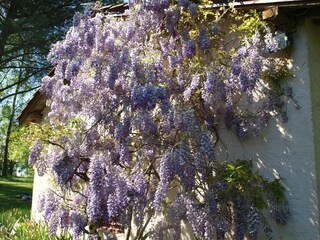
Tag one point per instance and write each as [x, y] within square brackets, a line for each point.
[20, 81]
[13, 94]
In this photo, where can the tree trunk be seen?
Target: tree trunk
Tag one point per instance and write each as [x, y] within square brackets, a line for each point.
[5, 169]
[11, 167]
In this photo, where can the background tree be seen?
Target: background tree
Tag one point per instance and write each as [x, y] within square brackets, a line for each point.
[27, 30]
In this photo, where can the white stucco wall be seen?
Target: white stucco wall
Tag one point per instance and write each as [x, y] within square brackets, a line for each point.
[285, 149]
[41, 184]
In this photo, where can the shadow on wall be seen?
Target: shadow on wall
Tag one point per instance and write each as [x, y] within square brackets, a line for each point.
[287, 150]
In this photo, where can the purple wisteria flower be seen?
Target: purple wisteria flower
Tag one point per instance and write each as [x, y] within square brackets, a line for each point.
[141, 101]
[189, 49]
[204, 40]
[96, 211]
[166, 173]
[35, 152]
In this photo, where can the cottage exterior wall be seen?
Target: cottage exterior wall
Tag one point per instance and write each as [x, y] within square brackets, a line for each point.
[313, 26]
[41, 184]
[285, 150]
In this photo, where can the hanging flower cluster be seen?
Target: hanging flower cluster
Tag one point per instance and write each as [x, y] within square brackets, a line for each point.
[144, 97]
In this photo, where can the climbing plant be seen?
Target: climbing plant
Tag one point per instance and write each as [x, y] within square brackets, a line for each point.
[137, 104]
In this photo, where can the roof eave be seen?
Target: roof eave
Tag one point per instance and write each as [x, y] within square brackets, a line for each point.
[35, 106]
[266, 3]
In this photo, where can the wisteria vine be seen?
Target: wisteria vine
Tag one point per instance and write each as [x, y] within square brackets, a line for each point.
[141, 99]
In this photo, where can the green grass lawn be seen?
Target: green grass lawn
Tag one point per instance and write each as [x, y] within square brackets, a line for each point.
[11, 192]
[15, 223]
[14, 210]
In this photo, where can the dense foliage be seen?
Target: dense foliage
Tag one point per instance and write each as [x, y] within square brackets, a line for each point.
[137, 103]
